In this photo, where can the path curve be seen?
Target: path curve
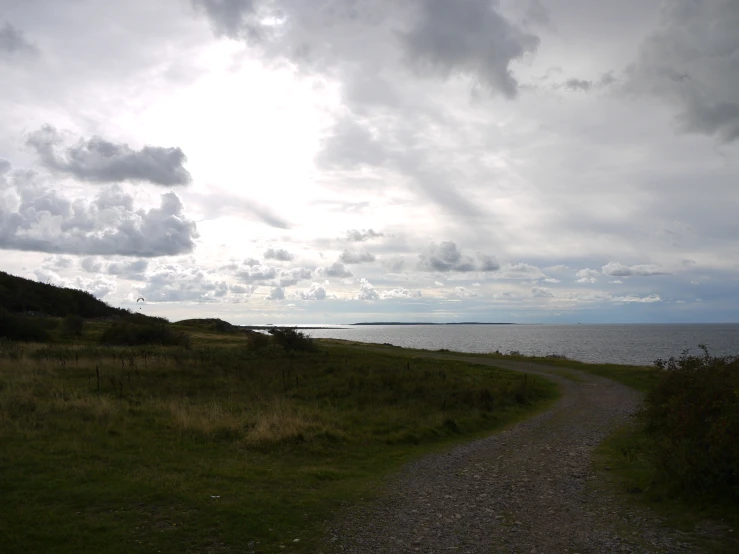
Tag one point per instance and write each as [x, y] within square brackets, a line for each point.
[522, 490]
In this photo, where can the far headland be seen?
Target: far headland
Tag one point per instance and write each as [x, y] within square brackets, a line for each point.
[427, 323]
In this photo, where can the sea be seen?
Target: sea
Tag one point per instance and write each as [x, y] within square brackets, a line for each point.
[641, 344]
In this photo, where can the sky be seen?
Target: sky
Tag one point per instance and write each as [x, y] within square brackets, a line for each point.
[337, 161]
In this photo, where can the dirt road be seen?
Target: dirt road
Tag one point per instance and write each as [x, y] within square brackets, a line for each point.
[524, 490]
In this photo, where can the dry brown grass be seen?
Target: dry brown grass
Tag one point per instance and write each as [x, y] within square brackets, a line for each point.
[270, 422]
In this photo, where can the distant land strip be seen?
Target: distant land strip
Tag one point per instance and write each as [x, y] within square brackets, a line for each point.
[423, 323]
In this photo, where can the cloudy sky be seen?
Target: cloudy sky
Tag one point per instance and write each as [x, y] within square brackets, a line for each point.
[333, 161]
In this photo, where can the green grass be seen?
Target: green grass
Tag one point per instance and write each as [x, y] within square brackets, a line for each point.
[215, 448]
[637, 377]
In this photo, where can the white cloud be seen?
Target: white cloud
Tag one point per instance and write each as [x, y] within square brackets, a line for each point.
[315, 292]
[279, 254]
[173, 282]
[400, 293]
[587, 275]
[689, 61]
[541, 292]
[640, 299]
[356, 235]
[276, 293]
[354, 257]
[464, 293]
[128, 269]
[521, 271]
[616, 269]
[367, 291]
[99, 286]
[336, 269]
[100, 161]
[445, 256]
[34, 216]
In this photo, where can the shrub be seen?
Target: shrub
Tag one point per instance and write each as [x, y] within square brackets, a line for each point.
[289, 338]
[22, 328]
[256, 340]
[692, 418]
[124, 333]
[72, 325]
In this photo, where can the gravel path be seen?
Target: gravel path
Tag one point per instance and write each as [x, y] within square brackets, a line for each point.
[523, 490]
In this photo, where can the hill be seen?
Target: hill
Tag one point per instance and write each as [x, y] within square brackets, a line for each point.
[19, 295]
[209, 324]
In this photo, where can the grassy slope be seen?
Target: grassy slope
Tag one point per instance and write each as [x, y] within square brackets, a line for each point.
[215, 448]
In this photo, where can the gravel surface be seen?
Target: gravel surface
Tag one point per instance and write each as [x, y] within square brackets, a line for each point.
[522, 490]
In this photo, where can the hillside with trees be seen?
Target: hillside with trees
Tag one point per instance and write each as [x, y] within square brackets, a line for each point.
[19, 295]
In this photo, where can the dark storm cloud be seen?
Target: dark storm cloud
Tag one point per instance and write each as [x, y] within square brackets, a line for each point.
[468, 37]
[445, 256]
[100, 161]
[232, 18]
[537, 13]
[13, 41]
[465, 37]
[35, 217]
[691, 61]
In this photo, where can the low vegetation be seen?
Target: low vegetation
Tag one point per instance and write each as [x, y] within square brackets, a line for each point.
[680, 455]
[23, 328]
[692, 419]
[128, 333]
[221, 447]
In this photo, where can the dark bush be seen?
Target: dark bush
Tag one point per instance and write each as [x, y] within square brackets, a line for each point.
[692, 418]
[23, 328]
[256, 340]
[290, 339]
[72, 325]
[124, 333]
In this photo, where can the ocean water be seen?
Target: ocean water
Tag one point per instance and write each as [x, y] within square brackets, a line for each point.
[618, 344]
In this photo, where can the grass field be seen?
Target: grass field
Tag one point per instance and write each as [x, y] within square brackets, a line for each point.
[219, 449]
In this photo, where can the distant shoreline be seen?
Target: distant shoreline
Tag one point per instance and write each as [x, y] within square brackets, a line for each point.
[423, 323]
[344, 326]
